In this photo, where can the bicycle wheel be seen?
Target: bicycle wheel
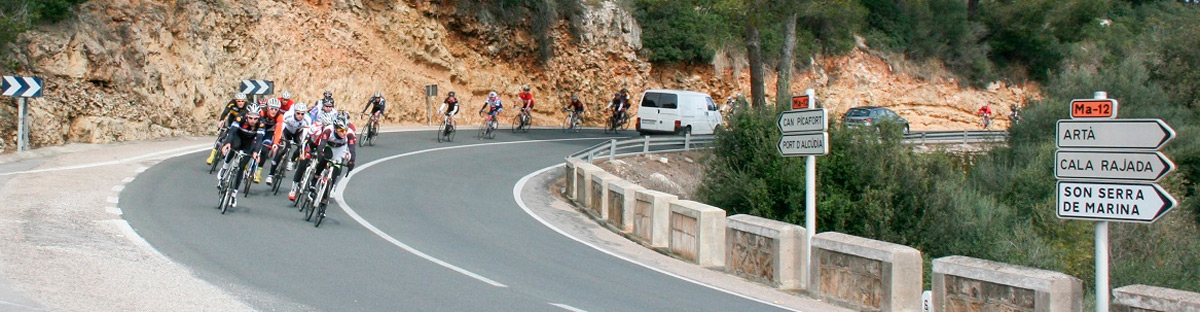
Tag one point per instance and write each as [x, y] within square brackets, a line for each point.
[374, 132]
[491, 132]
[314, 198]
[440, 134]
[320, 215]
[566, 123]
[302, 188]
[483, 129]
[450, 133]
[247, 179]
[227, 200]
[516, 124]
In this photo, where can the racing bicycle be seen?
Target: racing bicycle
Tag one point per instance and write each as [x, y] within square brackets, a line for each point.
[225, 181]
[371, 131]
[571, 123]
[487, 129]
[523, 121]
[446, 132]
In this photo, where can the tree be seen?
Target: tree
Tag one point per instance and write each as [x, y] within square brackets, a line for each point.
[783, 92]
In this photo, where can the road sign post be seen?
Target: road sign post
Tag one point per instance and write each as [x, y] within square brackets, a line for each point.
[21, 88]
[803, 133]
[430, 91]
[1106, 169]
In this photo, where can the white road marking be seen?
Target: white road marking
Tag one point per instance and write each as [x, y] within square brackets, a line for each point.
[337, 195]
[113, 210]
[118, 188]
[133, 235]
[127, 180]
[567, 307]
[113, 200]
[520, 202]
[185, 149]
[141, 169]
[2, 302]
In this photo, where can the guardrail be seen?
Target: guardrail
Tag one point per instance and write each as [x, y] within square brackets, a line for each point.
[669, 143]
[643, 145]
[950, 137]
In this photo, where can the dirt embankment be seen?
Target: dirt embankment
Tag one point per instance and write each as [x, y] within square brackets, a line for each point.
[140, 69]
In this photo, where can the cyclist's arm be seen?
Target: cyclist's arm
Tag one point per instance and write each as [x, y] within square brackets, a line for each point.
[278, 132]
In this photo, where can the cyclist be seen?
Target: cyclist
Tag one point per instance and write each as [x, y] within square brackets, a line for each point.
[449, 107]
[986, 112]
[575, 106]
[526, 99]
[312, 133]
[327, 96]
[228, 115]
[244, 135]
[325, 110]
[493, 105]
[285, 102]
[619, 103]
[1014, 115]
[377, 104]
[335, 149]
[272, 121]
[294, 122]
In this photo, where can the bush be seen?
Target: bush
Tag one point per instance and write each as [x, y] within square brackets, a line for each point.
[677, 32]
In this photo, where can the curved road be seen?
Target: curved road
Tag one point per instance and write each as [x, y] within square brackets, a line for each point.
[437, 229]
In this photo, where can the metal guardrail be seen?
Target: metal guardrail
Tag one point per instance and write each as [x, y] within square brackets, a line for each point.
[663, 144]
[952, 137]
[643, 145]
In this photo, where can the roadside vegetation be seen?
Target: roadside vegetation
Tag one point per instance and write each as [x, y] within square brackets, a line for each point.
[997, 205]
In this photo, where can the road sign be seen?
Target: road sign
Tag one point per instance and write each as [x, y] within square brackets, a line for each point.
[803, 120]
[807, 144]
[258, 86]
[1146, 166]
[1094, 108]
[1112, 202]
[800, 102]
[431, 90]
[22, 86]
[1120, 133]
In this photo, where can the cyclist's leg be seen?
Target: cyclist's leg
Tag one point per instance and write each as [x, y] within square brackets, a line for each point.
[238, 169]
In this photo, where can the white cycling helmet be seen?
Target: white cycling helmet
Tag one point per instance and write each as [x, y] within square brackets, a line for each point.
[286, 95]
[273, 103]
[253, 110]
[240, 96]
[492, 94]
[378, 94]
[300, 108]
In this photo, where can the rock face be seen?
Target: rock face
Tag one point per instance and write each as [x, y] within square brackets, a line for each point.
[139, 69]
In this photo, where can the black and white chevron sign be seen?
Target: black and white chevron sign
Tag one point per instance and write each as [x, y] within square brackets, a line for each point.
[258, 86]
[22, 86]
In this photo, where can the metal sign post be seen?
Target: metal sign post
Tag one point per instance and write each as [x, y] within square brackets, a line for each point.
[22, 135]
[804, 134]
[21, 88]
[430, 91]
[1106, 169]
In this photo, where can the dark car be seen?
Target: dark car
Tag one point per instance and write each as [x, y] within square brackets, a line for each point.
[872, 116]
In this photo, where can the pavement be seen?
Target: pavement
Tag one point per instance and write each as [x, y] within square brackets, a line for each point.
[67, 248]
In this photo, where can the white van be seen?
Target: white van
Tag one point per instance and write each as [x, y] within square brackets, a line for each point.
[677, 111]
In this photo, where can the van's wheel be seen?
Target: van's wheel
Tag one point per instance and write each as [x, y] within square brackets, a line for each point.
[686, 131]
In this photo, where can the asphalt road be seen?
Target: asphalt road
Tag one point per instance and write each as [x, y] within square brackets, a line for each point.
[470, 245]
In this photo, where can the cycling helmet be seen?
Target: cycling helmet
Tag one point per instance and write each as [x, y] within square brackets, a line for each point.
[328, 102]
[492, 94]
[451, 93]
[328, 94]
[253, 110]
[526, 88]
[617, 94]
[574, 97]
[378, 94]
[262, 102]
[286, 95]
[339, 123]
[624, 91]
[240, 96]
[300, 108]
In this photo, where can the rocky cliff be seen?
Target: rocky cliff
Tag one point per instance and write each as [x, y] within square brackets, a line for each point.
[141, 69]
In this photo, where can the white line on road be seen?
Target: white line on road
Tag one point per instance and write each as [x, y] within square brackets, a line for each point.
[118, 187]
[171, 152]
[520, 202]
[337, 195]
[567, 307]
[113, 200]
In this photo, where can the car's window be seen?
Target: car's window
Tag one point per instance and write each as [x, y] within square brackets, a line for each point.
[888, 114]
[711, 106]
[858, 113]
[650, 100]
[668, 100]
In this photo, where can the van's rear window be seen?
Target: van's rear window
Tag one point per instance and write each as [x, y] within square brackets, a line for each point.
[663, 100]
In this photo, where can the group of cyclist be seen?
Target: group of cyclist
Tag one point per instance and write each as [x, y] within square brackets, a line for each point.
[492, 105]
[322, 136]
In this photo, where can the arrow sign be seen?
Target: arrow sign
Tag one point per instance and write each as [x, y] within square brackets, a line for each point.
[1146, 166]
[809, 144]
[1142, 203]
[1121, 133]
[804, 120]
[22, 86]
[258, 86]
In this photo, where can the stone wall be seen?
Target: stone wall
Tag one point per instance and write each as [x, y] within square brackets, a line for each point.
[698, 232]
[1145, 298]
[766, 251]
[865, 274]
[965, 284]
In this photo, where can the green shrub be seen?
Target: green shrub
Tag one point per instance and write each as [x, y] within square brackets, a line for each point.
[677, 32]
